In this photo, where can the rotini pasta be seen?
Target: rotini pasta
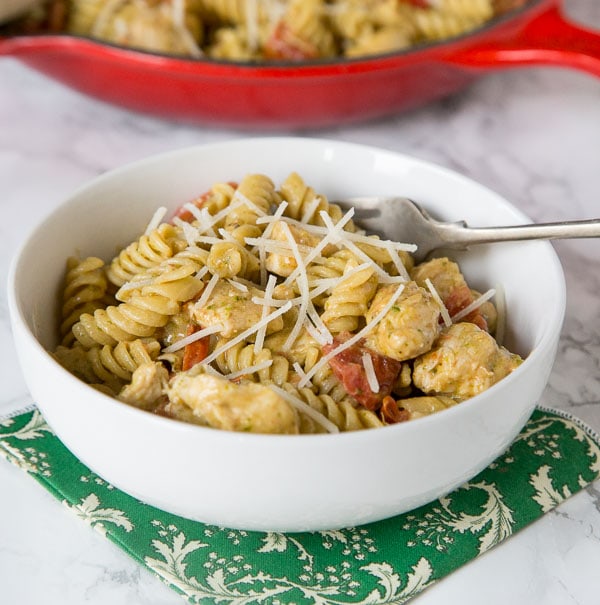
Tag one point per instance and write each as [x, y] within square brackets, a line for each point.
[251, 311]
[149, 250]
[112, 367]
[84, 291]
[289, 30]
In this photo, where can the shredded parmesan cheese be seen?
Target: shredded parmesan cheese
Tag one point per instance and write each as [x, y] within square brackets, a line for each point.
[331, 236]
[324, 333]
[304, 290]
[156, 219]
[207, 292]
[133, 285]
[238, 286]
[474, 305]
[243, 200]
[250, 369]
[180, 344]
[301, 373]
[189, 231]
[370, 372]
[312, 330]
[402, 272]
[309, 209]
[438, 299]
[201, 272]
[262, 253]
[260, 335]
[227, 236]
[303, 407]
[353, 248]
[210, 370]
[357, 236]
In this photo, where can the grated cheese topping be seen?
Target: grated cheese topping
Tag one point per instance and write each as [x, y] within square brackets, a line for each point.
[300, 371]
[156, 220]
[304, 290]
[262, 331]
[263, 365]
[183, 342]
[303, 407]
[438, 299]
[370, 372]
[212, 282]
[474, 305]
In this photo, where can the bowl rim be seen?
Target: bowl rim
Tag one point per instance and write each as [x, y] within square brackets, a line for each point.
[549, 335]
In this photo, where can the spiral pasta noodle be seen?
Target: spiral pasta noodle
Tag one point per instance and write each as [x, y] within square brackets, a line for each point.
[243, 356]
[84, 291]
[349, 300]
[148, 251]
[344, 414]
[305, 205]
[146, 308]
[110, 366]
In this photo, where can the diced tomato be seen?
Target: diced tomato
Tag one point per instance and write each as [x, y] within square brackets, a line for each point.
[284, 44]
[349, 369]
[196, 351]
[459, 299]
[185, 215]
[391, 413]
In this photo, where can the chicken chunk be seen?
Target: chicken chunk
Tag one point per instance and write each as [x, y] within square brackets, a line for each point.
[221, 404]
[409, 328]
[234, 310]
[147, 386]
[464, 362]
[449, 282]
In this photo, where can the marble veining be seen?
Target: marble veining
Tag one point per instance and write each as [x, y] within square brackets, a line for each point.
[532, 135]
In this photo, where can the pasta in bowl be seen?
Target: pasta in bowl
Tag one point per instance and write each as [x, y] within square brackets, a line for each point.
[230, 345]
[266, 309]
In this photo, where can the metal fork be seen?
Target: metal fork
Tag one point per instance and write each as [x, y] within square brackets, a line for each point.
[401, 219]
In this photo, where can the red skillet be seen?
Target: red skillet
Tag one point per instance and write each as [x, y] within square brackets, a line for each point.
[312, 94]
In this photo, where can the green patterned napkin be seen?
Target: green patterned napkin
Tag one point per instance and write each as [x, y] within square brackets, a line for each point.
[385, 562]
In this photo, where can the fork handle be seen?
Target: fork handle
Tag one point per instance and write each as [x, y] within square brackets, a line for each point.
[561, 230]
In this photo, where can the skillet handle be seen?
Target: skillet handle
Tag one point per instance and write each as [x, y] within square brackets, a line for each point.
[549, 39]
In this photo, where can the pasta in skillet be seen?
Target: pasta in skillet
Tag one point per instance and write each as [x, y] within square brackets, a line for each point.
[266, 30]
[265, 309]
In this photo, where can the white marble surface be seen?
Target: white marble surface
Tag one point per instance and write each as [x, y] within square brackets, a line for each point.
[533, 135]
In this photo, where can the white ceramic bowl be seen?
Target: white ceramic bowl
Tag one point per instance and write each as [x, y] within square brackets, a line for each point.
[272, 482]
